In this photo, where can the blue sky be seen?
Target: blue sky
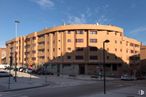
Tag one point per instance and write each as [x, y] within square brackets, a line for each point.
[35, 15]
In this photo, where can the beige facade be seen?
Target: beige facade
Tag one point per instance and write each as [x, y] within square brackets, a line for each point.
[143, 53]
[2, 55]
[15, 48]
[76, 47]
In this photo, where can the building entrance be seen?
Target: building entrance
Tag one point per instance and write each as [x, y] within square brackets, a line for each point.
[81, 69]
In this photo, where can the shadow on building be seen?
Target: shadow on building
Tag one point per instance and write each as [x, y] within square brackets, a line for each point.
[87, 60]
[137, 65]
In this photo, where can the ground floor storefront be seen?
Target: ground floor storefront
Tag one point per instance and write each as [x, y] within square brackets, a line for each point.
[76, 69]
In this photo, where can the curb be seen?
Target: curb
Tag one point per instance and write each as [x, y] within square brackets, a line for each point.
[19, 89]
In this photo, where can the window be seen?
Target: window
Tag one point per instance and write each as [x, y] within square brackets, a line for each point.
[33, 44]
[41, 50]
[34, 38]
[107, 49]
[126, 43]
[41, 36]
[120, 42]
[93, 57]
[41, 57]
[69, 48]
[115, 49]
[33, 58]
[115, 41]
[93, 40]
[131, 44]
[79, 49]
[79, 57]
[69, 32]
[66, 65]
[33, 51]
[54, 49]
[116, 57]
[68, 40]
[41, 43]
[132, 51]
[93, 48]
[79, 40]
[107, 57]
[136, 45]
[79, 32]
[107, 33]
[27, 39]
[68, 57]
[136, 52]
[114, 67]
[121, 50]
[115, 33]
[93, 32]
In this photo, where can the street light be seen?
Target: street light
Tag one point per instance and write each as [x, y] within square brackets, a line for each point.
[16, 31]
[11, 62]
[106, 41]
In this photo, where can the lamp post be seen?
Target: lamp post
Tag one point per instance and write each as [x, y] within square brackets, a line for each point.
[104, 72]
[16, 31]
[11, 62]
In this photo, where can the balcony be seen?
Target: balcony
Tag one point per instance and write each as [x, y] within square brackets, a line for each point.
[41, 46]
[41, 39]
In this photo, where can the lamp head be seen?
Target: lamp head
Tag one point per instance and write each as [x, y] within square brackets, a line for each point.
[106, 41]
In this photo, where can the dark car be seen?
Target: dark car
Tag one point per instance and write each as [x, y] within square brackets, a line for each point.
[140, 78]
[4, 74]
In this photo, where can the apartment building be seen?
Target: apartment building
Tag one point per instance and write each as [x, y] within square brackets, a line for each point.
[15, 48]
[76, 48]
[2, 55]
[143, 53]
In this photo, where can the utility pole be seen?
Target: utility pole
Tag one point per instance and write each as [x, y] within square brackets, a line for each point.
[16, 31]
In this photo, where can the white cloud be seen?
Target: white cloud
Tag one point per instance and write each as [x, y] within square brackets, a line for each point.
[77, 19]
[138, 30]
[102, 13]
[102, 19]
[45, 3]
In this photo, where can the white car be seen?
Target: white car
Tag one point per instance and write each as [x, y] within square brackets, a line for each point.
[128, 77]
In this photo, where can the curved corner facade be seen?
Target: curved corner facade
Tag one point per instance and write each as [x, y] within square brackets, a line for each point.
[77, 48]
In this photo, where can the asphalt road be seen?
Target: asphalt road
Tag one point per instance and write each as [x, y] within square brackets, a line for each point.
[72, 91]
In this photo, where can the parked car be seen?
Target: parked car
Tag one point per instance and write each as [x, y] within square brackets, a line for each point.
[140, 78]
[4, 74]
[127, 77]
[8, 68]
[22, 69]
[40, 71]
[28, 70]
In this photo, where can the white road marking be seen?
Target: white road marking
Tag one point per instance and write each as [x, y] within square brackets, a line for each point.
[24, 96]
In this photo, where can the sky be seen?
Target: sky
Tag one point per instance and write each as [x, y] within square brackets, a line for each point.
[35, 15]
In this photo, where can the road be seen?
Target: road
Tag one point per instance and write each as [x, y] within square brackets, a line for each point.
[72, 91]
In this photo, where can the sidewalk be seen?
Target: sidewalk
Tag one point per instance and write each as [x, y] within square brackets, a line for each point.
[27, 81]
[24, 81]
[89, 78]
[132, 91]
